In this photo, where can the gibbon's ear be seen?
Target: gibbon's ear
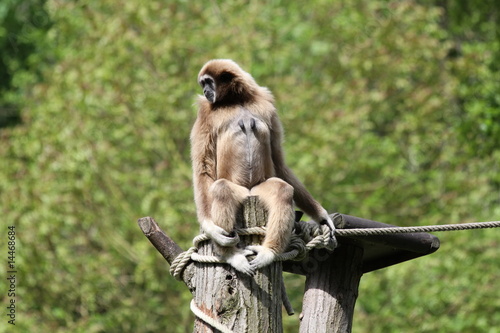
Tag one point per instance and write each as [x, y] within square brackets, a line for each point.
[226, 77]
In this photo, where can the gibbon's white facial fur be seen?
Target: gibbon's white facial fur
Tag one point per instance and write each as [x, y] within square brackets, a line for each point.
[236, 152]
[208, 85]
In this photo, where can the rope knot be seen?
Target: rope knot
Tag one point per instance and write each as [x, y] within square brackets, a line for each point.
[306, 236]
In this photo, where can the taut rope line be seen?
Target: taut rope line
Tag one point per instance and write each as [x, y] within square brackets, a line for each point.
[407, 230]
[314, 236]
[310, 236]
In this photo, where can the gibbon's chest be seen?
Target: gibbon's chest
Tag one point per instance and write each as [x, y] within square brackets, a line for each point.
[243, 149]
[242, 125]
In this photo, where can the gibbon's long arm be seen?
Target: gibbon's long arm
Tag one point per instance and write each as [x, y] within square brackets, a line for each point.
[203, 171]
[303, 199]
[201, 168]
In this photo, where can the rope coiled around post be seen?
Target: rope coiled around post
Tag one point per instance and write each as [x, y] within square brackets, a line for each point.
[309, 235]
[312, 236]
[207, 319]
[305, 237]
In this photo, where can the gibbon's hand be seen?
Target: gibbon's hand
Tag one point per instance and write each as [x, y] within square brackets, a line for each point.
[326, 219]
[219, 235]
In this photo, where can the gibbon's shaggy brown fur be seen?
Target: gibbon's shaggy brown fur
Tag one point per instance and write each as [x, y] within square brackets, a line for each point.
[236, 152]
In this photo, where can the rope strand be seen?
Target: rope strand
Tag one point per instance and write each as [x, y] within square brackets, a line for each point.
[307, 236]
[207, 319]
[407, 230]
[313, 236]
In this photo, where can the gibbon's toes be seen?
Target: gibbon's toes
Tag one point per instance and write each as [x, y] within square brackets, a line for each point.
[241, 264]
[264, 257]
[247, 252]
[254, 248]
[248, 270]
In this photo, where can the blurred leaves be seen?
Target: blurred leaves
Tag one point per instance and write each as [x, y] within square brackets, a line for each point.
[23, 27]
[390, 110]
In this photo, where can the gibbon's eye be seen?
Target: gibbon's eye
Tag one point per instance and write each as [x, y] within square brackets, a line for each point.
[206, 81]
[226, 77]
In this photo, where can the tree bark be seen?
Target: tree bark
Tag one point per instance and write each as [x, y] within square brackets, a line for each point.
[331, 291]
[241, 303]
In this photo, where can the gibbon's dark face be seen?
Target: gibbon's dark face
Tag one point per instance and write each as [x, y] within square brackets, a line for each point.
[224, 83]
[208, 85]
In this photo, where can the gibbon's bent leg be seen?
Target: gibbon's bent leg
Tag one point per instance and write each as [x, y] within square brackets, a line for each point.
[277, 196]
[227, 198]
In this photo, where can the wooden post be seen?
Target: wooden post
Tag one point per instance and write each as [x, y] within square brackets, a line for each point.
[241, 303]
[253, 304]
[331, 291]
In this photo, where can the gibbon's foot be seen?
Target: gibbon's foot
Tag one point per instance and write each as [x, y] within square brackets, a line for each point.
[220, 236]
[247, 252]
[240, 262]
[264, 257]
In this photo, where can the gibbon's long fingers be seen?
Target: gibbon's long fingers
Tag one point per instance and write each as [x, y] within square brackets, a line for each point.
[265, 256]
[326, 219]
[239, 261]
[248, 252]
[219, 235]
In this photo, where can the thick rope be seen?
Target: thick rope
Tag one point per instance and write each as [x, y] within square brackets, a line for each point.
[207, 319]
[406, 230]
[314, 235]
[306, 237]
[311, 236]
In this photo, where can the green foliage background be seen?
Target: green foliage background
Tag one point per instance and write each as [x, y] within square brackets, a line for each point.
[391, 111]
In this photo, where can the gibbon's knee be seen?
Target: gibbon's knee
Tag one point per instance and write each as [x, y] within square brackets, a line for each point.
[221, 190]
[285, 190]
[274, 189]
[223, 206]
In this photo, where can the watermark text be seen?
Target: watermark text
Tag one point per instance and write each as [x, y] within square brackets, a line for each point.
[11, 275]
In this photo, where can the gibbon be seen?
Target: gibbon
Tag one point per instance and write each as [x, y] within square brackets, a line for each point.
[236, 152]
